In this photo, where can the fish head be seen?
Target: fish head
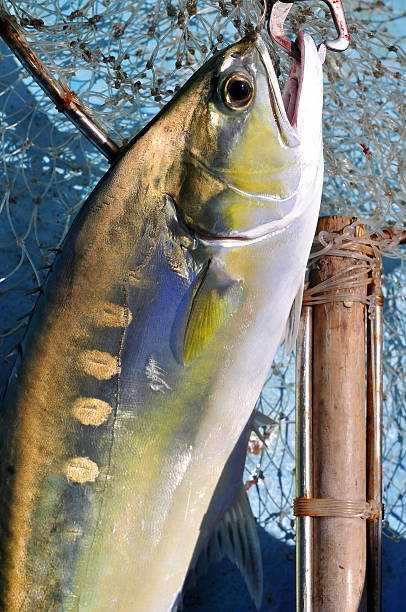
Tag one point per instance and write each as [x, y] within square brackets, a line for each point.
[243, 155]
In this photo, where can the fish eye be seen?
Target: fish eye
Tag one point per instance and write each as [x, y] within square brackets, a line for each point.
[237, 91]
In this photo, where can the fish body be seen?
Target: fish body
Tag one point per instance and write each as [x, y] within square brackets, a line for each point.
[124, 427]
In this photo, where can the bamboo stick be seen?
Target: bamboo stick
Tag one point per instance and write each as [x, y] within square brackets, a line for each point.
[339, 435]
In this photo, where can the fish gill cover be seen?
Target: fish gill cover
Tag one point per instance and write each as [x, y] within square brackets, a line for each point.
[125, 60]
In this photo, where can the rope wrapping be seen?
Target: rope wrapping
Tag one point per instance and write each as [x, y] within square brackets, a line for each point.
[338, 508]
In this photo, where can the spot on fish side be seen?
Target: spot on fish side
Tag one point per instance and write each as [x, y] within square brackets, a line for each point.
[91, 411]
[81, 470]
[114, 315]
[99, 364]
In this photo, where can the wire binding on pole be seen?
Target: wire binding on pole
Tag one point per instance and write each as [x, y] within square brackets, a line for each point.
[343, 508]
[366, 251]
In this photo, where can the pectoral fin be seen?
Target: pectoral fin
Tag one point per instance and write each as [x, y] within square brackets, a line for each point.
[215, 300]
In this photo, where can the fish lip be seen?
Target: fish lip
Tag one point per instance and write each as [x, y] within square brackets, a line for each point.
[287, 131]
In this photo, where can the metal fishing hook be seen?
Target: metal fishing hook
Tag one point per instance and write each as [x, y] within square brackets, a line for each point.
[279, 12]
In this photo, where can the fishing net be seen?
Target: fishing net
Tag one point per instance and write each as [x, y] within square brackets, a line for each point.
[125, 60]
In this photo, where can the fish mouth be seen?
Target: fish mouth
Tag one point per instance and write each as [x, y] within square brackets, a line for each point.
[292, 91]
[285, 104]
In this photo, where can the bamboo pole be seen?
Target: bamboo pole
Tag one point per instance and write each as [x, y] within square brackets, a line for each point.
[339, 434]
[339, 362]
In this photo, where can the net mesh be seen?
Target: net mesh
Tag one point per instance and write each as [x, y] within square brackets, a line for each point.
[125, 60]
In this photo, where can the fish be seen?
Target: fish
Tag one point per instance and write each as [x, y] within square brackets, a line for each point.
[126, 420]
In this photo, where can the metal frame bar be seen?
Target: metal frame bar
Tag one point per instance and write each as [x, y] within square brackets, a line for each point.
[304, 467]
[374, 453]
[64, 99]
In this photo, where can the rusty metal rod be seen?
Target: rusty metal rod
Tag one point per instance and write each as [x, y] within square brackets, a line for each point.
[304, 467]
[374, 452]
[65, 100]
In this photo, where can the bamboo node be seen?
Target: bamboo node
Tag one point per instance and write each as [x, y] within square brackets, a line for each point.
[371, 510]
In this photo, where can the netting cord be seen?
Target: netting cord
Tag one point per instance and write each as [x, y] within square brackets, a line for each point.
[64, 99]
[367, 250]
[371, 510]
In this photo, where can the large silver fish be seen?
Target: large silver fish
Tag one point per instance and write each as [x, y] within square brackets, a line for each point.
[125, 426]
